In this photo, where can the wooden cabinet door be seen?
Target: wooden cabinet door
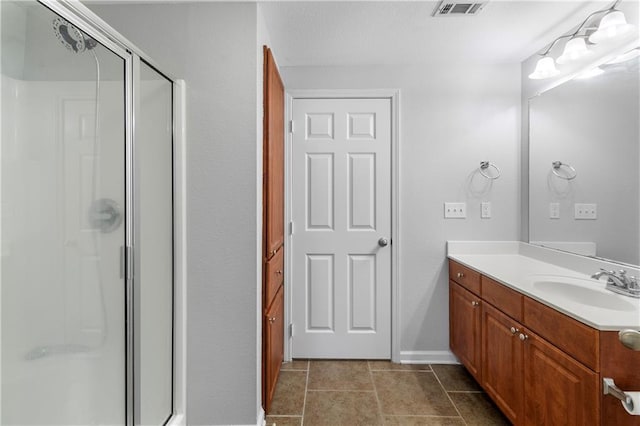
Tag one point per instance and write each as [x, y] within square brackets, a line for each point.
[502, 362]
[273, 156]
[560, 390]
[465, 329]
[273, 225]
[274, 340]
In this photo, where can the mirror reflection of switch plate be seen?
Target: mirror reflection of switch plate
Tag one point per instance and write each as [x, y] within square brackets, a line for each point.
[554, 210]
[485, 210]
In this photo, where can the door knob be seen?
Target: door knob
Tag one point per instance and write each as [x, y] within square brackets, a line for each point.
[382, 242]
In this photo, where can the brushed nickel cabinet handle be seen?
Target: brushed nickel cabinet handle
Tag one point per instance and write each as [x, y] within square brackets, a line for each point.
[474, 303]
[279, 272]
[272, 320]
[460, 275]
[513, 330]
[523, 337]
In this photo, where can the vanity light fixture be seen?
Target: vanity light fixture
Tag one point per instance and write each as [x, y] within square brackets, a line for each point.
[612, 25]
[545, 68]
[574, 50]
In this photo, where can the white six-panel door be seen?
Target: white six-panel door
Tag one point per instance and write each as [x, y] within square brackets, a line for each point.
[341, 209]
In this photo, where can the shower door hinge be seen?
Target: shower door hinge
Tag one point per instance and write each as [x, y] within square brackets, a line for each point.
[126, 262]
[291, 228]
[291, 330]
[291, 127]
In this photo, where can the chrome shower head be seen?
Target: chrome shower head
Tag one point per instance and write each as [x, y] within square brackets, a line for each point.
[71, 37]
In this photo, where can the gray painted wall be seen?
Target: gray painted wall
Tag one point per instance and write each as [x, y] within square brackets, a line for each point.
[452, 118]
[212, 46]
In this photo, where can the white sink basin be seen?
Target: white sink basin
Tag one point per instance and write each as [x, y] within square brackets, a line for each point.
[584, 292]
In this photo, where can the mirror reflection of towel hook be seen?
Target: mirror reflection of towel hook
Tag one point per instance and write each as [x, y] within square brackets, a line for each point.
[558, 164]
[484, 165]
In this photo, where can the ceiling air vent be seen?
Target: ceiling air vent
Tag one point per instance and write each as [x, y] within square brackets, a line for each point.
[447, 8]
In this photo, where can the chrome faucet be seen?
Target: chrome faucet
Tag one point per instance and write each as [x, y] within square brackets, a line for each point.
[619, 282]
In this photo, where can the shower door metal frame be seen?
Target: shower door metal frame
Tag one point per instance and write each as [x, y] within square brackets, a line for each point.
[85, 20]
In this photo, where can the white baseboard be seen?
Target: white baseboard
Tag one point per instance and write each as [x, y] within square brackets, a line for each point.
[428, 357]
[262, 420]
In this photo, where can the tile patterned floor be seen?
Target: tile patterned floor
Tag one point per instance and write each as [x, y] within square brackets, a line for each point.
[379, 393]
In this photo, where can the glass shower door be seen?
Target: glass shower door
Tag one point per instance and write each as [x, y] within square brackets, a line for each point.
[62, 201]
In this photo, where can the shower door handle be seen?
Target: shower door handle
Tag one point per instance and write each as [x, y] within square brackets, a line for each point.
[126, 262]
[122, 263]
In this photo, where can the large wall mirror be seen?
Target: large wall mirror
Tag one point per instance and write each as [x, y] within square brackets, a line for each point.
[584, 162]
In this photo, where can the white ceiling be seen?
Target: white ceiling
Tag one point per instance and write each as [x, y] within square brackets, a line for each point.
[393, 32]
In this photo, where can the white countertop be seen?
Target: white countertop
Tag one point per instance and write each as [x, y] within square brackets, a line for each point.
[518, 265]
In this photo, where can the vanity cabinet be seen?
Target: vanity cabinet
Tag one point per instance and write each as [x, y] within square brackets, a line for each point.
[538, 365]
[502, 362]
[558, 389]
[465, 327]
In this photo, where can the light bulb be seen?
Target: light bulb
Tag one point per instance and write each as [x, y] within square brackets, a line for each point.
[574, 50]
[612, 25]
[545, 68]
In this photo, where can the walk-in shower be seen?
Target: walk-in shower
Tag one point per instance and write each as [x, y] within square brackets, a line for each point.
[86, 223]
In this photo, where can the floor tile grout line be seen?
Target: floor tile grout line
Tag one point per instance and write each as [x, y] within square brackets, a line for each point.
[283, 415]
[340, 390]
[306, 386]
[375, 393]
[428, 416]
[449, 397]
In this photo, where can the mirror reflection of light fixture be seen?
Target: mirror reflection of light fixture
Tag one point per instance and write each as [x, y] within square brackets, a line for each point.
[592, 72]
[574, 50]
[545, 68]
[633, 53]
[612, 25]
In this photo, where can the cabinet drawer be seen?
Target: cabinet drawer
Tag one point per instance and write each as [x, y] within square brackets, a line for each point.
[275, 276]
[502, 297]
[578, 340]
[466, 277]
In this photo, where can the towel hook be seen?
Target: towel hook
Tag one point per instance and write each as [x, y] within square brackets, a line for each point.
[556, 166]
[484, 165]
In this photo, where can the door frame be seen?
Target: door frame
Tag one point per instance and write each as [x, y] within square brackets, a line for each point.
[394, 96]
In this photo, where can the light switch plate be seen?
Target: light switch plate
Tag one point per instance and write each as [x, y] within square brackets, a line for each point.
[585, 211]
[455, 210]
[485, 210]
[554, 210]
